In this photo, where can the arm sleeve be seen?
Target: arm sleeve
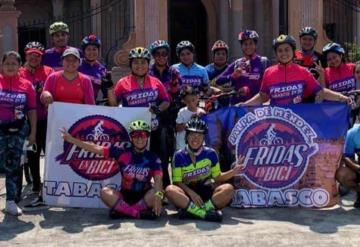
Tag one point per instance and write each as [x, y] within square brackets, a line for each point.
[176, 169]
[89, 98]
[225, 76]
[215, 165]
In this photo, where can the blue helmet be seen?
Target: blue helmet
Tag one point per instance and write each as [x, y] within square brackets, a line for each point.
[91, 39]
[333, 47]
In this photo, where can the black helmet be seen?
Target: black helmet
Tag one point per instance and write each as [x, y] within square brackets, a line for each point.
[185, 44]
[196, 125]
[308, 31]
[284, 39]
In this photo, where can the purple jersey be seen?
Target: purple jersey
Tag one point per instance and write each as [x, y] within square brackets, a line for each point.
[251, 78]
[214, 72]
[136, 169]
[95, 72]
[170, 78]
[52, 57]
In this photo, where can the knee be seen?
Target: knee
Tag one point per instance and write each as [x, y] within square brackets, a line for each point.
[106, 191]
[170, 189]
[342, 175]
[228, 190]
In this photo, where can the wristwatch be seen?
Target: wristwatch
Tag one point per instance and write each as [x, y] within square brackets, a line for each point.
[159, 194]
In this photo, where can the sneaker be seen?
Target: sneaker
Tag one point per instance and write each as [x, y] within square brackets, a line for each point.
[37, 203]
[214, 216]
[12, 208]
[148, 214]
[357, 203]
[183, 214]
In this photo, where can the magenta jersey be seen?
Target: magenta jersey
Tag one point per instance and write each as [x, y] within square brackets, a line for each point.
[341, 79]
[136, 169]
[130, 94]
[17, 97]
[286, 83]
[37, 78]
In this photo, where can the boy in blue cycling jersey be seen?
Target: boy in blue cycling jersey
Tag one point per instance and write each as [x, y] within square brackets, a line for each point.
[196, 172]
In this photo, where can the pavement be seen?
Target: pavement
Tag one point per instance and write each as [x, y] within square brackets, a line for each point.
[337, 226]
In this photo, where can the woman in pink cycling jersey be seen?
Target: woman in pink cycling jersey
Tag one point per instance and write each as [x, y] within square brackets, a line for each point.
[288, 82]
[68, 85]
[338, 76]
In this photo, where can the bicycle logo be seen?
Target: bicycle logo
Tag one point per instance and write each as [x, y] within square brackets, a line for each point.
[98, 133]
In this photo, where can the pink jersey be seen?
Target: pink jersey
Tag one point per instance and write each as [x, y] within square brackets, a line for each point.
[130, 94]
[17, 97]
[341, 79]
[285, 84]
[37, 78]
[78, 91]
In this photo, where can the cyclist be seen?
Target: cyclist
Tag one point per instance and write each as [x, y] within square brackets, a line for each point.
[307, 56]
[348, 174]
[59, 32]
[278, 78]
[194, 168]
[137, 197]
[192, 74]
[171, 79]
[246, 73]
[68, 85]
[17, 102]
[220, 53]
[139, 89]
[37, 74]
[90, 64]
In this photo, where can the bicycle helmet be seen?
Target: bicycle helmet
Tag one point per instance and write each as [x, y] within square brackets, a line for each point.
[333, 47]
[308, 31]
[284, 39]
[248, 34]
[58, 26]
[139, 52]
[139, 125]
[219, 44]
[91, 39]
[159, 44]
[34, 47]
[196, 125]
[185, 44]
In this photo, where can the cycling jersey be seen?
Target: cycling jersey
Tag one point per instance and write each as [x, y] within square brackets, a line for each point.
[213, 72]
[341, 79]
[37, 78]
[130, 94]
[206, 166]
[352, 142]
[52, 57]
[17, 97]
[195, 75]
[286, 83]
[136, 169]
[251, 78]
[307, 59]
[170, 78]
[78, 90]
[95, 72]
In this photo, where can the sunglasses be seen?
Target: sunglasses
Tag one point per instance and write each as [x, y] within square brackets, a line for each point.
[139, 134]
[161, 54]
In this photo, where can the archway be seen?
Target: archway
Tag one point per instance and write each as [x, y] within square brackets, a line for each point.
[185, 25]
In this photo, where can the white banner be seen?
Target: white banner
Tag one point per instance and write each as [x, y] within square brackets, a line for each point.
[74, 177]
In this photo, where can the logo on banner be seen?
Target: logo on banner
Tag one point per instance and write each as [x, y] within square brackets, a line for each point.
[103, 131]
[277, 145]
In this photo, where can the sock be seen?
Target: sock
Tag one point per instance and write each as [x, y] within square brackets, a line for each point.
[122, 207]
[209, 205]
[140, 205]
[195, 210]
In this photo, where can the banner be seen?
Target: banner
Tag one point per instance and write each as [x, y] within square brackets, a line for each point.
[74, 177]
[290, 153]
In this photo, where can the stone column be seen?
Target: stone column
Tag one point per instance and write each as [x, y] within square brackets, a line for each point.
[8, 26]
[236, 12]
[307, 13]
[58, 8]
[96, 17]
